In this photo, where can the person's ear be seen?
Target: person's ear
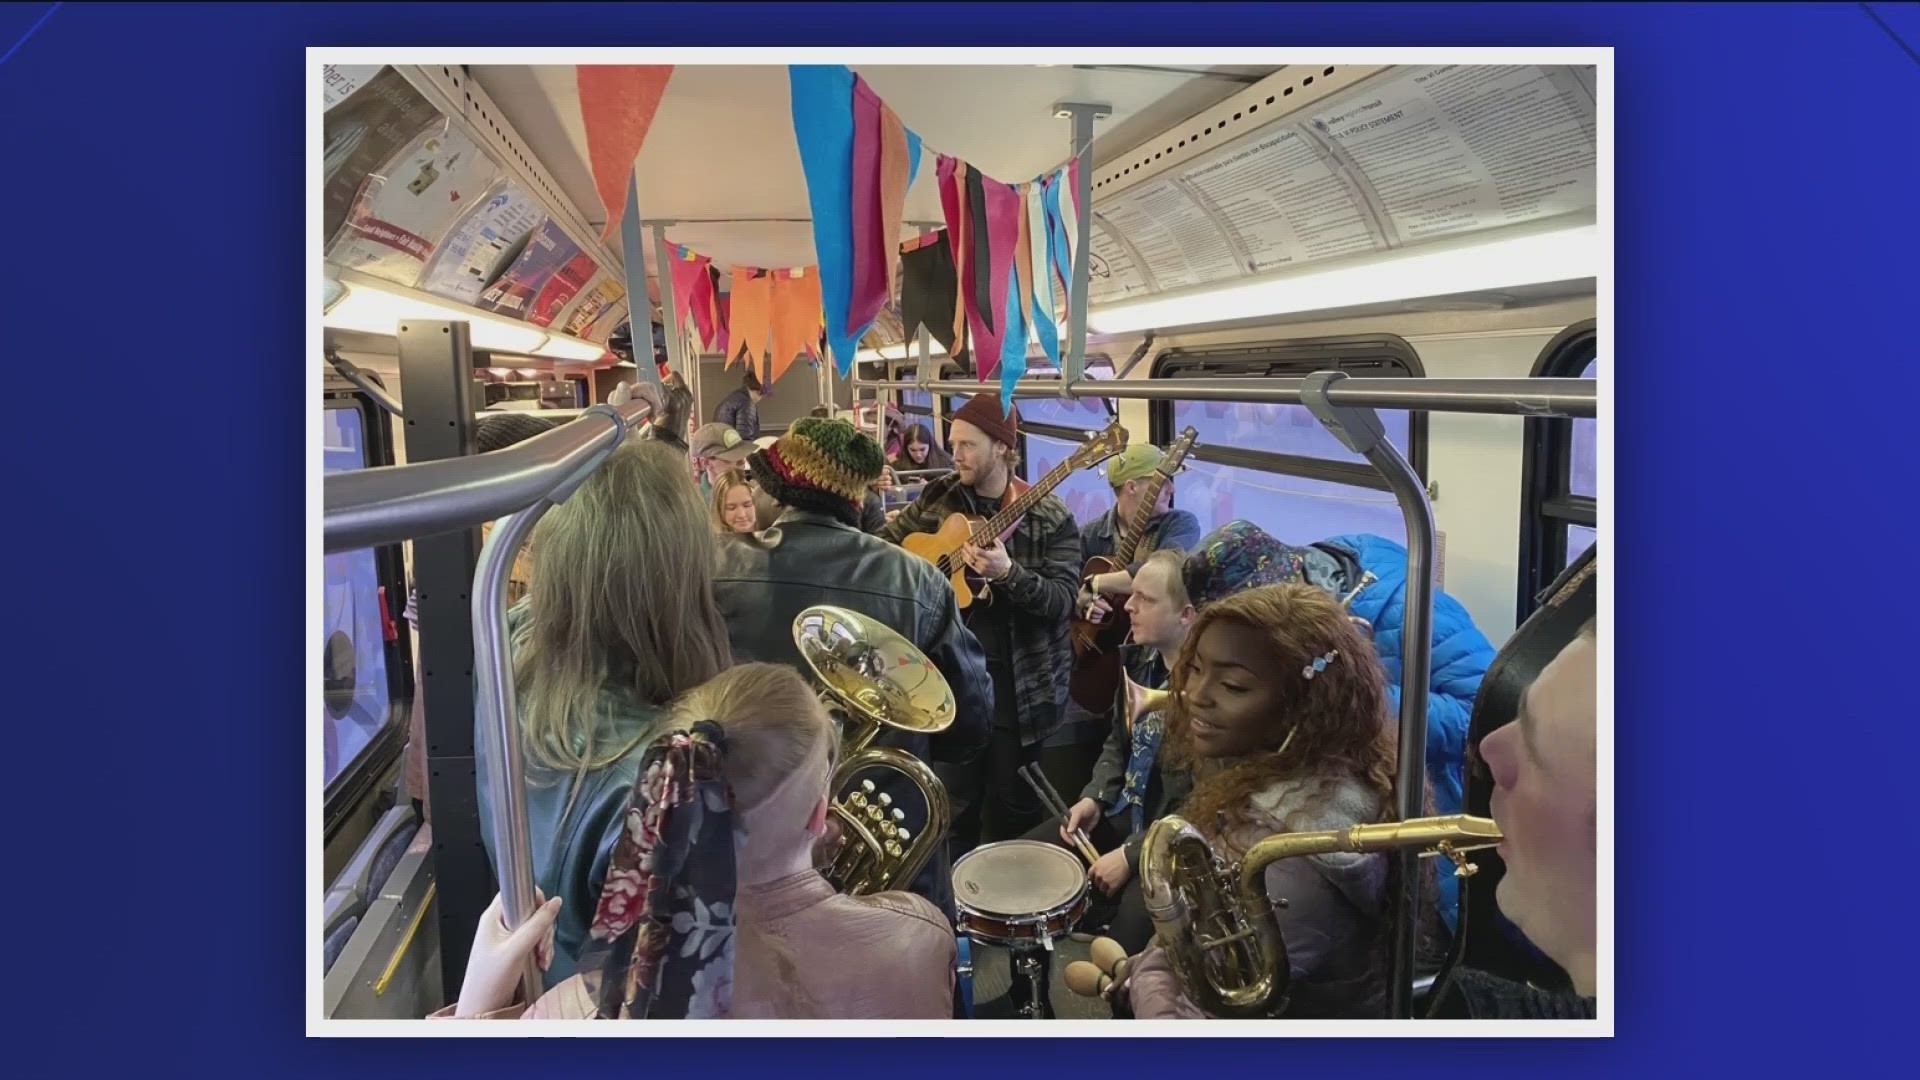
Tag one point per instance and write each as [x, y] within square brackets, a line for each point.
[817, 821]
[1186, 617]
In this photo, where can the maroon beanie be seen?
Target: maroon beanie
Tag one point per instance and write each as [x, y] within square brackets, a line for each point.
[983, 412]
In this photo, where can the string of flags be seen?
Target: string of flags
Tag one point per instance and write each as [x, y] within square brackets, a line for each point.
[1008, 247]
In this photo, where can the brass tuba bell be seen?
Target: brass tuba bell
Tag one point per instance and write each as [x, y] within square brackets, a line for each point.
[1140, 700]
[872, 678]
[1217, 923]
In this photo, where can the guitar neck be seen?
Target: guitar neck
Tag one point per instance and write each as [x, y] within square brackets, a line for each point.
[1018, 508]
[1137, 525]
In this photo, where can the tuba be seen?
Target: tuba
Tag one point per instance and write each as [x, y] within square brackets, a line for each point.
[872, 678]
[1140, 700]
[1217, 923]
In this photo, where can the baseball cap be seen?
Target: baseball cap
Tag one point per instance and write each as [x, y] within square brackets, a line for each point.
[1136, 462]
[720, 442]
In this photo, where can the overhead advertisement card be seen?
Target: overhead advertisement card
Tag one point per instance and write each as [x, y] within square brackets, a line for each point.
[482, 243]
[365, 131]
[403, 210]
[550, 251]
[558, 293]
[593, 302]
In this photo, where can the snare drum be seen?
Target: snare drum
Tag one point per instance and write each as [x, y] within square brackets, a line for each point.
[1019, 893]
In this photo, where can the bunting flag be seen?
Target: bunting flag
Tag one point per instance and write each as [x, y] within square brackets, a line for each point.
[796, 311]
[694, 293]
[858, 159]
[750, 323]
[1009, 248]
[930, 294]
[617, 104]
[1039, 268]
[722, 329]
[774, 318]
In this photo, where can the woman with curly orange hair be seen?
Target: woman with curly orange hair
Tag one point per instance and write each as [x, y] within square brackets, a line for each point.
[1280, 712]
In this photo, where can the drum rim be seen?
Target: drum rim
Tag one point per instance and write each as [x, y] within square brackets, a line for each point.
[1021, 918]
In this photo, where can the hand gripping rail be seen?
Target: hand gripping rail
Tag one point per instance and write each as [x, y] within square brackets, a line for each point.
[381, 506]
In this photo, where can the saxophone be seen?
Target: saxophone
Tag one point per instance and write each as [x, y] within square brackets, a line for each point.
[1217, 923]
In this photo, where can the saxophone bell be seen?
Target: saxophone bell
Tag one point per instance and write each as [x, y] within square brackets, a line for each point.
[1217, 923]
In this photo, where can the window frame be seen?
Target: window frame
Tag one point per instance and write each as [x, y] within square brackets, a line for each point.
[1359, 356]
[359, 776]
[1547, 502]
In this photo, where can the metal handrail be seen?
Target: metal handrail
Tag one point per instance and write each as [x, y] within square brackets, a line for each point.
[369, 507]
[1523, 397]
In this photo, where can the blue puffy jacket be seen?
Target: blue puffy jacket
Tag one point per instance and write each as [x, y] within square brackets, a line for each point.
[1461, 655]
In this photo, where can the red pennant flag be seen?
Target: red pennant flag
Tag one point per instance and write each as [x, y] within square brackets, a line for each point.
[617, 103]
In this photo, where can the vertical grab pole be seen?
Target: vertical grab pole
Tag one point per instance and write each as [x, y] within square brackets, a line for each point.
[501, 771]
[1083, 114]
[633, 254]
[1360, 429]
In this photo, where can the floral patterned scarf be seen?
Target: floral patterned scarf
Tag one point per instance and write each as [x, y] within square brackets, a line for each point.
[661, 944]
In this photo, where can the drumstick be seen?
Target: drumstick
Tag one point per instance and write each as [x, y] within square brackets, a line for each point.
[1051, 800]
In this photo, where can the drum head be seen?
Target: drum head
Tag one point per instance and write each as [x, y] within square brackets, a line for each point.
[1017, 877]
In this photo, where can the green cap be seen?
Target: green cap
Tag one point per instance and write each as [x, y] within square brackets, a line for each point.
[1136, 462]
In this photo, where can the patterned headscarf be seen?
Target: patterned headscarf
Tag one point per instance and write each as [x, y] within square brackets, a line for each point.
[1238, 555]
[661, 944]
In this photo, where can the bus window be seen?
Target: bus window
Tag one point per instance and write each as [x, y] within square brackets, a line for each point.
[1294, 509]
[1559, 473]
[1275, 465]
[356, 696]
[1085, 492]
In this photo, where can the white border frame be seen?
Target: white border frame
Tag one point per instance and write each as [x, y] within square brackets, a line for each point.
[1601, 59]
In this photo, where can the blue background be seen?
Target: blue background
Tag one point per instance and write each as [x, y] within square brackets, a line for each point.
[153, 166]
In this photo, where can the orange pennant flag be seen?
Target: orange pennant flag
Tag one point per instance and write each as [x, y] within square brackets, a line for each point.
[797, 313]
[750, 321]
[617, 103]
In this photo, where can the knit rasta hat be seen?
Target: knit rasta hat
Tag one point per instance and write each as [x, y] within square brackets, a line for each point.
[983, 412]
[824, 465]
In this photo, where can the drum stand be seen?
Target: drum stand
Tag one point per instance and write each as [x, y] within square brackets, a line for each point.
[1036, 1003]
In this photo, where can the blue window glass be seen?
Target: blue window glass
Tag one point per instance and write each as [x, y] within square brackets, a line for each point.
[355, 701]
[1584, 462]
[1278, 429]
[1085, 492]
[1294, 509]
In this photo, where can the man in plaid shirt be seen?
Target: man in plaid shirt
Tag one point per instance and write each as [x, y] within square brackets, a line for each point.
[1033, 576]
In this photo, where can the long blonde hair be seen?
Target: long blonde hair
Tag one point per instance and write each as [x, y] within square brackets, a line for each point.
[622, 598]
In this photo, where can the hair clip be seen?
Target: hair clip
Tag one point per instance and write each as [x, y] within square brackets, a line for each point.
[1319, 664]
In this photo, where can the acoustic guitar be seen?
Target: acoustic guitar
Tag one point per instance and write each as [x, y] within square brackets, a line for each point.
[1096, 645]
[942, 546]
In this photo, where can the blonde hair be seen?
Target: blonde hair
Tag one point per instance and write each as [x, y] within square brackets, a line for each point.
[622, 598]
[729, 480]
[1172, 560]
[781, 752]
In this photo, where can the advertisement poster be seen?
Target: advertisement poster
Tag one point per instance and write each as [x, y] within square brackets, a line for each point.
[482, 243]
[405, 209]
[339, 81]
[365, 131]
[560, 289]
[546, 254]
[594, 302]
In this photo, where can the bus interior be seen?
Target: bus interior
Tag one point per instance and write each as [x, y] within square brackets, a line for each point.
[1248, 225]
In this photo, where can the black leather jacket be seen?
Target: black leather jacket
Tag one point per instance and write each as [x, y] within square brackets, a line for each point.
[810, 558]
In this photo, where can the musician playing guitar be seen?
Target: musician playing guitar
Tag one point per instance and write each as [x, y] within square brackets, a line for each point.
[1030, 576]
[1131, 476]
